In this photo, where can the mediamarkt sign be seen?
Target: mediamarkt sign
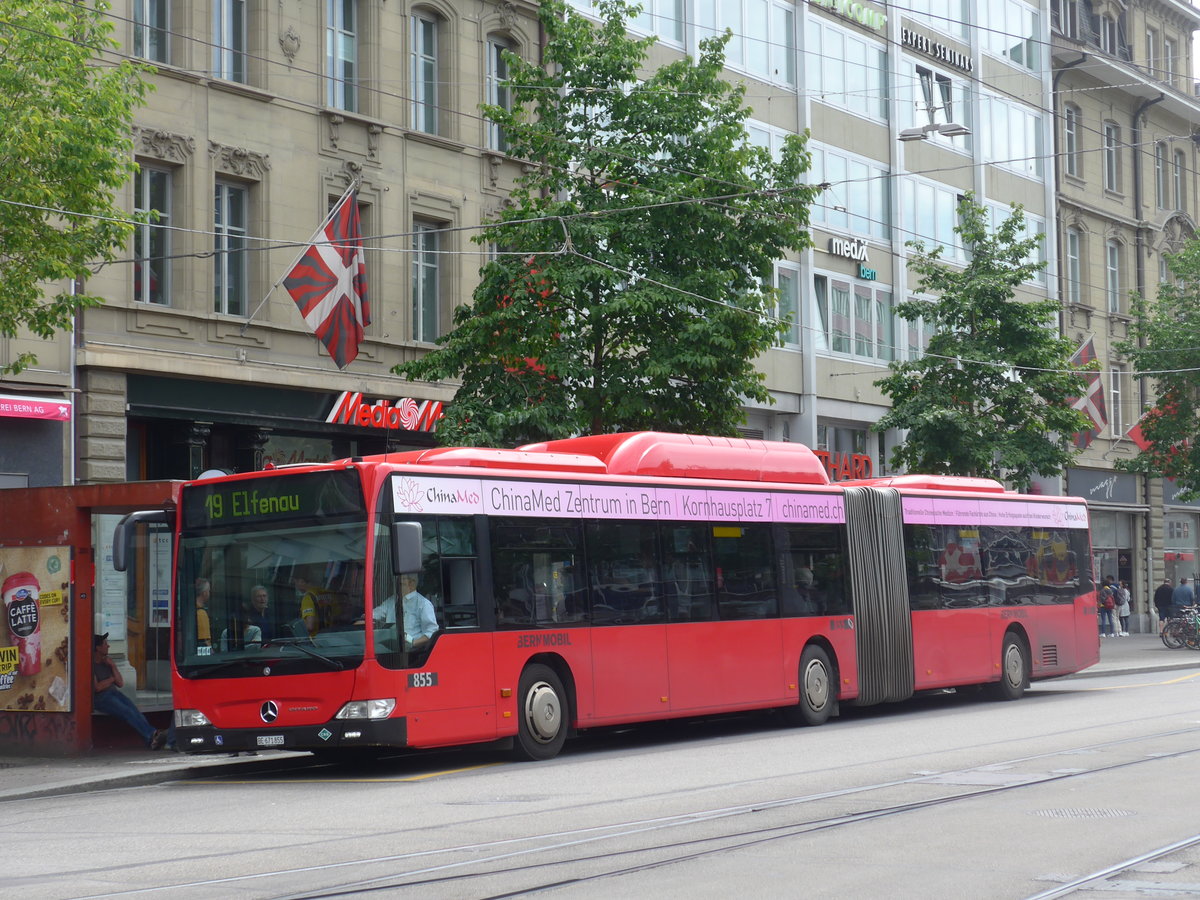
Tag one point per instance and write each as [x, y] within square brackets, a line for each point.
[405, 414]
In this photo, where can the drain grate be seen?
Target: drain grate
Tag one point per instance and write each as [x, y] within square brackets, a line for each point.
[1086, 812]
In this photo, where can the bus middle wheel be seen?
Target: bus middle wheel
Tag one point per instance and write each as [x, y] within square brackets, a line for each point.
[543, 716]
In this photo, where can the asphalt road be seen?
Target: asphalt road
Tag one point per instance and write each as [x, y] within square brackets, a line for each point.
[940, 797]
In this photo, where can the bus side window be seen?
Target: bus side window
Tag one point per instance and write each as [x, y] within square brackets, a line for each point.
[458, 584]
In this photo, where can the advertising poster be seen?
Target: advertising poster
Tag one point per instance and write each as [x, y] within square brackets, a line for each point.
[35, 629]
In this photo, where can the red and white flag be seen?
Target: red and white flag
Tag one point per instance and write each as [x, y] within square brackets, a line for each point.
[1092, 401]
[329, 283]
[1135, 433]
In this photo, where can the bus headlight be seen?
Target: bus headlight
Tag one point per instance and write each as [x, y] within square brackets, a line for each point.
[190, 718]
[367, 709]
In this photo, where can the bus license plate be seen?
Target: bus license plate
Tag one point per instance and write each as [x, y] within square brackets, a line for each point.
[270, 740]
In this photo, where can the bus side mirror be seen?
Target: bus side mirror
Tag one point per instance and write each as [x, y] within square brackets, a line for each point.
[406, 547]
[123, 533]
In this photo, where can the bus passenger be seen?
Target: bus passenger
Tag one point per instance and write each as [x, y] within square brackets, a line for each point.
[318, 606]
[420, 620]
[203, 619]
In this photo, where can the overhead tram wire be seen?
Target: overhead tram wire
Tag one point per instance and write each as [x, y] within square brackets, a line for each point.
[479, 119]
[210, 45]
[286, 244]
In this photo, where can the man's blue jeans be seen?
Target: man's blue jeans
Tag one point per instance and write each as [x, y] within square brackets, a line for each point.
[112, 702]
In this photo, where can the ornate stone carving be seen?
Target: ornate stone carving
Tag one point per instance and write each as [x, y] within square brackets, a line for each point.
[507, 10]
[335, 129]
[289, 43]
[164, 145]
[373, 133]
[239, 161]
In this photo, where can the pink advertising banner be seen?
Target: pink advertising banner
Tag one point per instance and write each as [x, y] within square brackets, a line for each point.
[1016, 513]
[458, 496]
[14, 406]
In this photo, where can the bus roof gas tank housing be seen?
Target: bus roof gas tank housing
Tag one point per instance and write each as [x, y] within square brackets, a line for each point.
[662, 455]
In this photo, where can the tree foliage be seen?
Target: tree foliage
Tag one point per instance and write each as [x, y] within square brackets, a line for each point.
[991, 395]
[65, 122]
[1164, 345]
[628, 290]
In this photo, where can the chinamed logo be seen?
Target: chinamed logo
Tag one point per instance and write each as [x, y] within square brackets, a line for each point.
[411, 496]
[406, 414]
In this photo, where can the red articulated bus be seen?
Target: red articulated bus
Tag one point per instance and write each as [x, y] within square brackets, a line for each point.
[455, 595]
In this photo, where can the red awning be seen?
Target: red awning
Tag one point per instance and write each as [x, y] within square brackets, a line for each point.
[16, 406]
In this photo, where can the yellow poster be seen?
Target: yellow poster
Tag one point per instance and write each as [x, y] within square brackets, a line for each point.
[35, 629]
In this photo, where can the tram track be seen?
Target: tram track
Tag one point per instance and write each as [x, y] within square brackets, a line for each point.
[547, 862]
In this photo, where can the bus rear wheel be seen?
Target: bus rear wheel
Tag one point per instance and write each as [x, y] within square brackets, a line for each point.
[817, 689]
[543, 716]
[1014, 670]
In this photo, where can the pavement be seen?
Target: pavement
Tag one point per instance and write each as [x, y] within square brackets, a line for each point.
[24, 778]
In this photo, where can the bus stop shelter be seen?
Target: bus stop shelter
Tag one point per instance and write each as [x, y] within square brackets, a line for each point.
[58, 588]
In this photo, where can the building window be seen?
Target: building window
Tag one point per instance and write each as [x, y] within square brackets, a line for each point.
[1108, 34]
[426, 282]
[857, 197]
[1064, 16]
[846, 71]
[497, 93]
[1112, 157]
[1160, 175]
[229, 40]
[943, 16]
[1112, 276]
[1010, 29]
[1152, 52]
[1071, 128]
[1074, 255]
[858, 320]
[341, 54]
[762, 42]
[1168, 61]
[230, 215]
[787, 304]
[425, 73]
[929, 213]
[1177, 180]
[152, 239]
[151, 30]
[1012, 136]
[1116, 415]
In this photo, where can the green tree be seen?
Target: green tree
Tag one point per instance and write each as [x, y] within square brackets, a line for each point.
[628, 290]
[1164, 345]
[65, 149]
[991, 395]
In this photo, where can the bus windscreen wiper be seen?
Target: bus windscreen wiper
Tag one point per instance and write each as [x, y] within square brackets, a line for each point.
[334, 664]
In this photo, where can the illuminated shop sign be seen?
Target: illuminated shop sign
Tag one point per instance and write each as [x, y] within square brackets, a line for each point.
[936, 49]
[850, 248]
[855, 12]
[405, 414]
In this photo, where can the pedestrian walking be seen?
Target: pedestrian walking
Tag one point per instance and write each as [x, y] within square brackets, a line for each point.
[1162, 602]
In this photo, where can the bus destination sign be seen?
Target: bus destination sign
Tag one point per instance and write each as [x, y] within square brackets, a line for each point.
[271, 499]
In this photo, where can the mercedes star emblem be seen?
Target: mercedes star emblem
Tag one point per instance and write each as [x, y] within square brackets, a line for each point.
[269, 712]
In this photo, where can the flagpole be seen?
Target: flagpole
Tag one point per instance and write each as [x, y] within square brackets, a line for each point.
[278, 281]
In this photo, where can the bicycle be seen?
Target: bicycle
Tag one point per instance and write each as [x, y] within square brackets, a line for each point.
[1182, 630]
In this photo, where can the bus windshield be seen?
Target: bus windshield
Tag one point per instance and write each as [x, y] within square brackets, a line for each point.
[271, 574]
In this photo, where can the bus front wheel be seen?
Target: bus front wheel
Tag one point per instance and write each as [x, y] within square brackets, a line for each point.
[1014, 677]
[817, 689]
[543, 716]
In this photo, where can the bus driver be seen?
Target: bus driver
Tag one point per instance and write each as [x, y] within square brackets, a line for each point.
[420, 621]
